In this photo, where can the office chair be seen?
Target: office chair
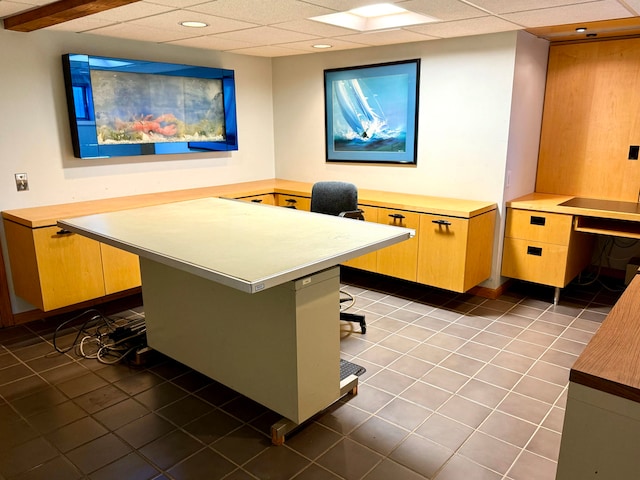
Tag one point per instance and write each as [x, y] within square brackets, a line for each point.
[339, 199]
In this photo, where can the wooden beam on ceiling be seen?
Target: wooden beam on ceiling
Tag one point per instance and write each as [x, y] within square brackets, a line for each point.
[599, 30]
[59, 12]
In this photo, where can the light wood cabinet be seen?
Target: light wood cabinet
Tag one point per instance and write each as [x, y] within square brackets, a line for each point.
[266, 199]
[368, 261]
[543, 247]
[121, 269]
[293, 201]
[400, 260]
[52, 268]
[455, 253]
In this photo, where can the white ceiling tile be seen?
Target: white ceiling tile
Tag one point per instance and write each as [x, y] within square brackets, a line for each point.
[464, 28]
[9, 8]
[83, 24]
[336, 44]
[313, 28]
[587, 12]
[130, 12]
[140, 32]
[443, 9]
[171, 21]
[634, 5]
[261, 12]
[213, 42]
[510, 6]
[388, 37]
[267, 35]
[268, 51]
[177, 3]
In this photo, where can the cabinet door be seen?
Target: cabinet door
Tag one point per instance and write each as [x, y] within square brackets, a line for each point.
[121, 269]
[368, 261]
[533, 261]
[69, 268]
[400, 260]
[442, 253]
[293, 201]
[267, 199]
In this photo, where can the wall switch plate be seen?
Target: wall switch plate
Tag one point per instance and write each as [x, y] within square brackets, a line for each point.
[22, 183]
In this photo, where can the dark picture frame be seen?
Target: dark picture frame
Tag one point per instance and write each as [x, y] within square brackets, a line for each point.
[371, 113]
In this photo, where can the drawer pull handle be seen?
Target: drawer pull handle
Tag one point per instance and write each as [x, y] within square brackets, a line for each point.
[291, 201]
[538, 220]
[63, 232]
[441, 222]
[396, 216]
[537, 251]
[256, 200]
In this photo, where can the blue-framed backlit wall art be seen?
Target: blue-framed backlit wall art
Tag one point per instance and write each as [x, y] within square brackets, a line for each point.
[123, 107]
[371, 113]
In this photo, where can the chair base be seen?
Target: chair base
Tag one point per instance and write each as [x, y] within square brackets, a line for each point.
[354, 317]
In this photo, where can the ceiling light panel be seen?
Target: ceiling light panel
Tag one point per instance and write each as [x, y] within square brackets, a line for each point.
[372, 18]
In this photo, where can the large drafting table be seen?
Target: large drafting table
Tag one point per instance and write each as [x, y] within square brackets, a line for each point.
[246, 294]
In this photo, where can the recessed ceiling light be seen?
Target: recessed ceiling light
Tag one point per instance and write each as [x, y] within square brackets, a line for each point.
[322, 45]
[194, 24]
[581, 29]
[380, 16]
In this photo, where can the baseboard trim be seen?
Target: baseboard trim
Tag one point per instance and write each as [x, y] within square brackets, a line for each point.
[491, 293]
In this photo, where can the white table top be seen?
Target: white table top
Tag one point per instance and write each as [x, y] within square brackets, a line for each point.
[240, 244]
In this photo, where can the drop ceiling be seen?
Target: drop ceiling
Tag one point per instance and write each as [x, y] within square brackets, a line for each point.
[273, 28]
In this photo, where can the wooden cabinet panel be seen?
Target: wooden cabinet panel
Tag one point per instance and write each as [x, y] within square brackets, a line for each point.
[442, 256]
[537, 262]
[267, 199]
[121, 269]
[51, 269]
[399, 260]
[538, 226]
[368, 261]
[590, 119]
[300, 203]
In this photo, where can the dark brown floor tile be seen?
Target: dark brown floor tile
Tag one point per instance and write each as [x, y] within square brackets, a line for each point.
[7, 359]
[48, 362]
[75, 434]
[388, 469]
[525, 349]
[530, 466]
[145, 430]
[276, 463]
[379, 435]
[430, 353]
[138, 382]
[212, 426]
[169, 369]
[216, 394]
[313, 440]
[103, 397]
[512, 361]
[425, 395]
[39, 401]
[57, 469]
[399, 343]
[80, 385]
[315, 472]
[446, 341]
[478, 351]
[538, 389]
[404, 413]
[483, 393]
[64, 373]
[369, 398]
[554, 420]
[185, 410]
[242, 444]
[206, 464]
[415, 332]
[13, 373]
[421, 455]
[26, 456]
[550, 373]
[120, 414]
[192, 381]
[528, 409]
[117, 371]
[498, 376]
[35, 350]
[490, 452]
[98, 453]
[130, 467]
[171, 449]
[244, 408]
[459, 468]
[349, 459]
[461, 364]
[15, 431]
[160, 395]
[23, 387]
[239, 474]
[444, 431]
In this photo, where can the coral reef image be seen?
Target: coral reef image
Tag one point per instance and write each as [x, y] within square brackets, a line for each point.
[147, 108]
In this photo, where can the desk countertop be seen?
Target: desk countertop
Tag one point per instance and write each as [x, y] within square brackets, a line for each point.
[551, 202]
[239, 244]
[611, 361]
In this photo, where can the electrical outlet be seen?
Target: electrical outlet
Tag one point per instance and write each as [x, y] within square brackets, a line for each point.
[22, 183]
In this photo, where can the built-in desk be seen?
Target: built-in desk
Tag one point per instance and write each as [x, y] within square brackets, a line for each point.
[245, 294]
[602, 419]
[549, 238]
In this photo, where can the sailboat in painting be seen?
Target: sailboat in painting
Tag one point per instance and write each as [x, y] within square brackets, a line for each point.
[362, 119]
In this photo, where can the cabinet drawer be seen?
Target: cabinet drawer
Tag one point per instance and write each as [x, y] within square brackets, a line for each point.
[536, 262]
[368, 261]
[267, 199]
[293, 201]
[539, 226]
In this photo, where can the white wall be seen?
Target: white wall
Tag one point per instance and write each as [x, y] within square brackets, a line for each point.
[35, 136]
[467, 123]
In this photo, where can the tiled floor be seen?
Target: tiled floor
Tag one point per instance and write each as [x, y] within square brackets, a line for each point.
[457, 387]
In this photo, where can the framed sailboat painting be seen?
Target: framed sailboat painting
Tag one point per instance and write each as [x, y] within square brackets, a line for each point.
[371, 113]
